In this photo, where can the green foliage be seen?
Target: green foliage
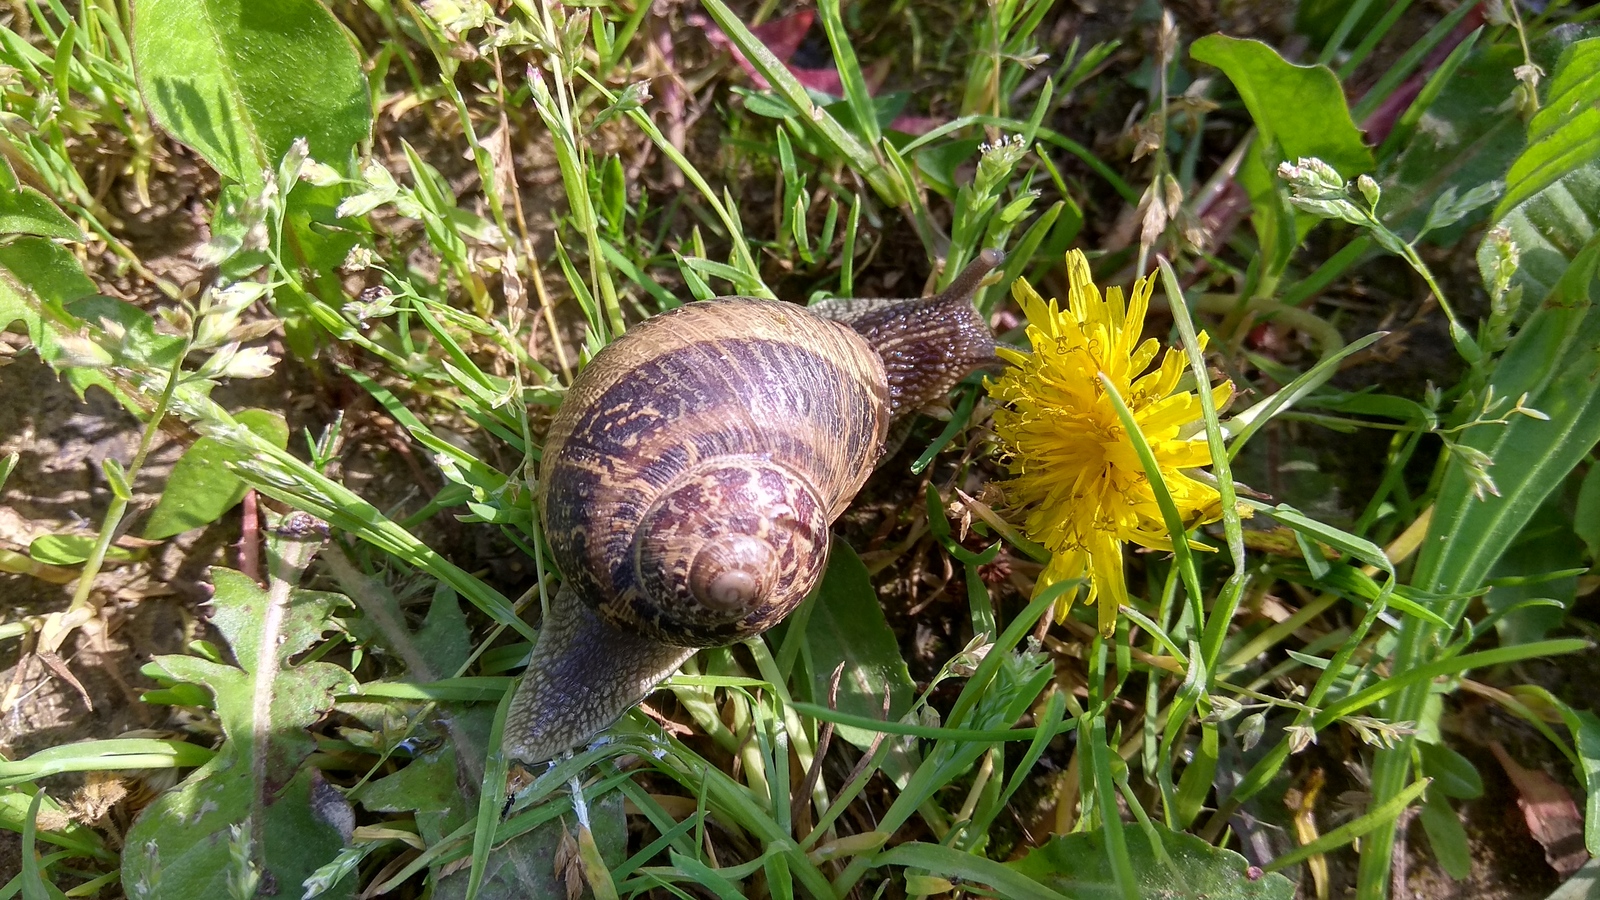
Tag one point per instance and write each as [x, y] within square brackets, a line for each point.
[483, 295]
[201, 486]
[255, 794]
[1300, 110]
[24, 210]
[1565, 133]
[1167, 863]
[240, 80]
[846, 628]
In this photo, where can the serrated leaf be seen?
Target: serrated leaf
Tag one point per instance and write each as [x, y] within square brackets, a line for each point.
[848, 626]
[201, 487]
[444, 638]
[430, 785]
[256, 781]
[239, 80]
[1077, 866]
[524, 868]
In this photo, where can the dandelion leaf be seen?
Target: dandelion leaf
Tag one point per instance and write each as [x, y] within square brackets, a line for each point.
[254, 801]
[442, 794]
[433, 784]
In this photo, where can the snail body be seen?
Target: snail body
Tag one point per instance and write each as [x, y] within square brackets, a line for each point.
[693, 471]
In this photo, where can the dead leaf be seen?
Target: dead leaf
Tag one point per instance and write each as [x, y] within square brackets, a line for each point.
[1552, 817]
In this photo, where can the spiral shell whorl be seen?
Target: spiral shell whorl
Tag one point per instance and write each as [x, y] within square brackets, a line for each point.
[726, 552]
[729, 406]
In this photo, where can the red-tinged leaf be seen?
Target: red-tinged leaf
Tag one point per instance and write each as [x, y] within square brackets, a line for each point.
[1552, 817]
[783, 37]
[824, 81]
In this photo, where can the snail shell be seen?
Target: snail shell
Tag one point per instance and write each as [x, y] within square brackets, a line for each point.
[690, 478]
[687, 487]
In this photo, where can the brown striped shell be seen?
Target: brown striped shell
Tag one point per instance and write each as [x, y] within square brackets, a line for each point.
[690, 478]
[691, 475]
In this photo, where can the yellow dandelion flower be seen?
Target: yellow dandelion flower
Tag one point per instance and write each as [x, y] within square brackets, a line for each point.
[1076, 474]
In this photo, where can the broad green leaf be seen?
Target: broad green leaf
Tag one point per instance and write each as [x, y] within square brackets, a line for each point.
[1555, 360]
[239, 80]
[24, 210]
[1077, 866]
[37, 278]
[1586, 518]
[444, 639]
[1565, 133]
[72, 549]
[257, 782]
[1453, 774]
[1552, 204]
[847, 626]
[1550, 229]
[138, 345]
[1546, 544]
[1301, 109]
[1585, 729]
[201, 487]
[430, 784]
[1446, 836]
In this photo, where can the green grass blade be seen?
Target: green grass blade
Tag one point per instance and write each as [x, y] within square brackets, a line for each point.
[1387, 811]
[855, 86]
[886, 183]
[950, 862]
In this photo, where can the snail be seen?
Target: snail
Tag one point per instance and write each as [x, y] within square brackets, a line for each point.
[691, 476]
